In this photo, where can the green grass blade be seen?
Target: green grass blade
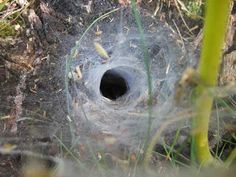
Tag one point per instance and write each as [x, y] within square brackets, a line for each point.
[147, 68]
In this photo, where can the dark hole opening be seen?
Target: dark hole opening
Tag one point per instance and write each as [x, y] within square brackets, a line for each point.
[113, 85]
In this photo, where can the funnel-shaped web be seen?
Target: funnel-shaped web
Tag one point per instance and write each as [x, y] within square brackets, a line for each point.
[113, 92]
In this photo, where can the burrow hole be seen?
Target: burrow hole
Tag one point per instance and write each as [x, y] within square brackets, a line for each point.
[113, 85]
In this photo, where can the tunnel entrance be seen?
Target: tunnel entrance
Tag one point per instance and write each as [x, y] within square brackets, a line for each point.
[113, 85]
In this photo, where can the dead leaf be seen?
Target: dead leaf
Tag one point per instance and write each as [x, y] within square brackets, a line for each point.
[101, 51]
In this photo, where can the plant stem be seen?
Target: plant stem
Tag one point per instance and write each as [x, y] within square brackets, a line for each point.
[217, 13]
[231, 158]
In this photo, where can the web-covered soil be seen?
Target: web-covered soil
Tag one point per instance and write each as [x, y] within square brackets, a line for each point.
[35, 116]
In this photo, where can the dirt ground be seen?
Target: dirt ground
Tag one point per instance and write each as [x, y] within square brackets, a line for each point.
[32, 97]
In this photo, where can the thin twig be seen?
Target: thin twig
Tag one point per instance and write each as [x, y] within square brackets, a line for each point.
[181, 15]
